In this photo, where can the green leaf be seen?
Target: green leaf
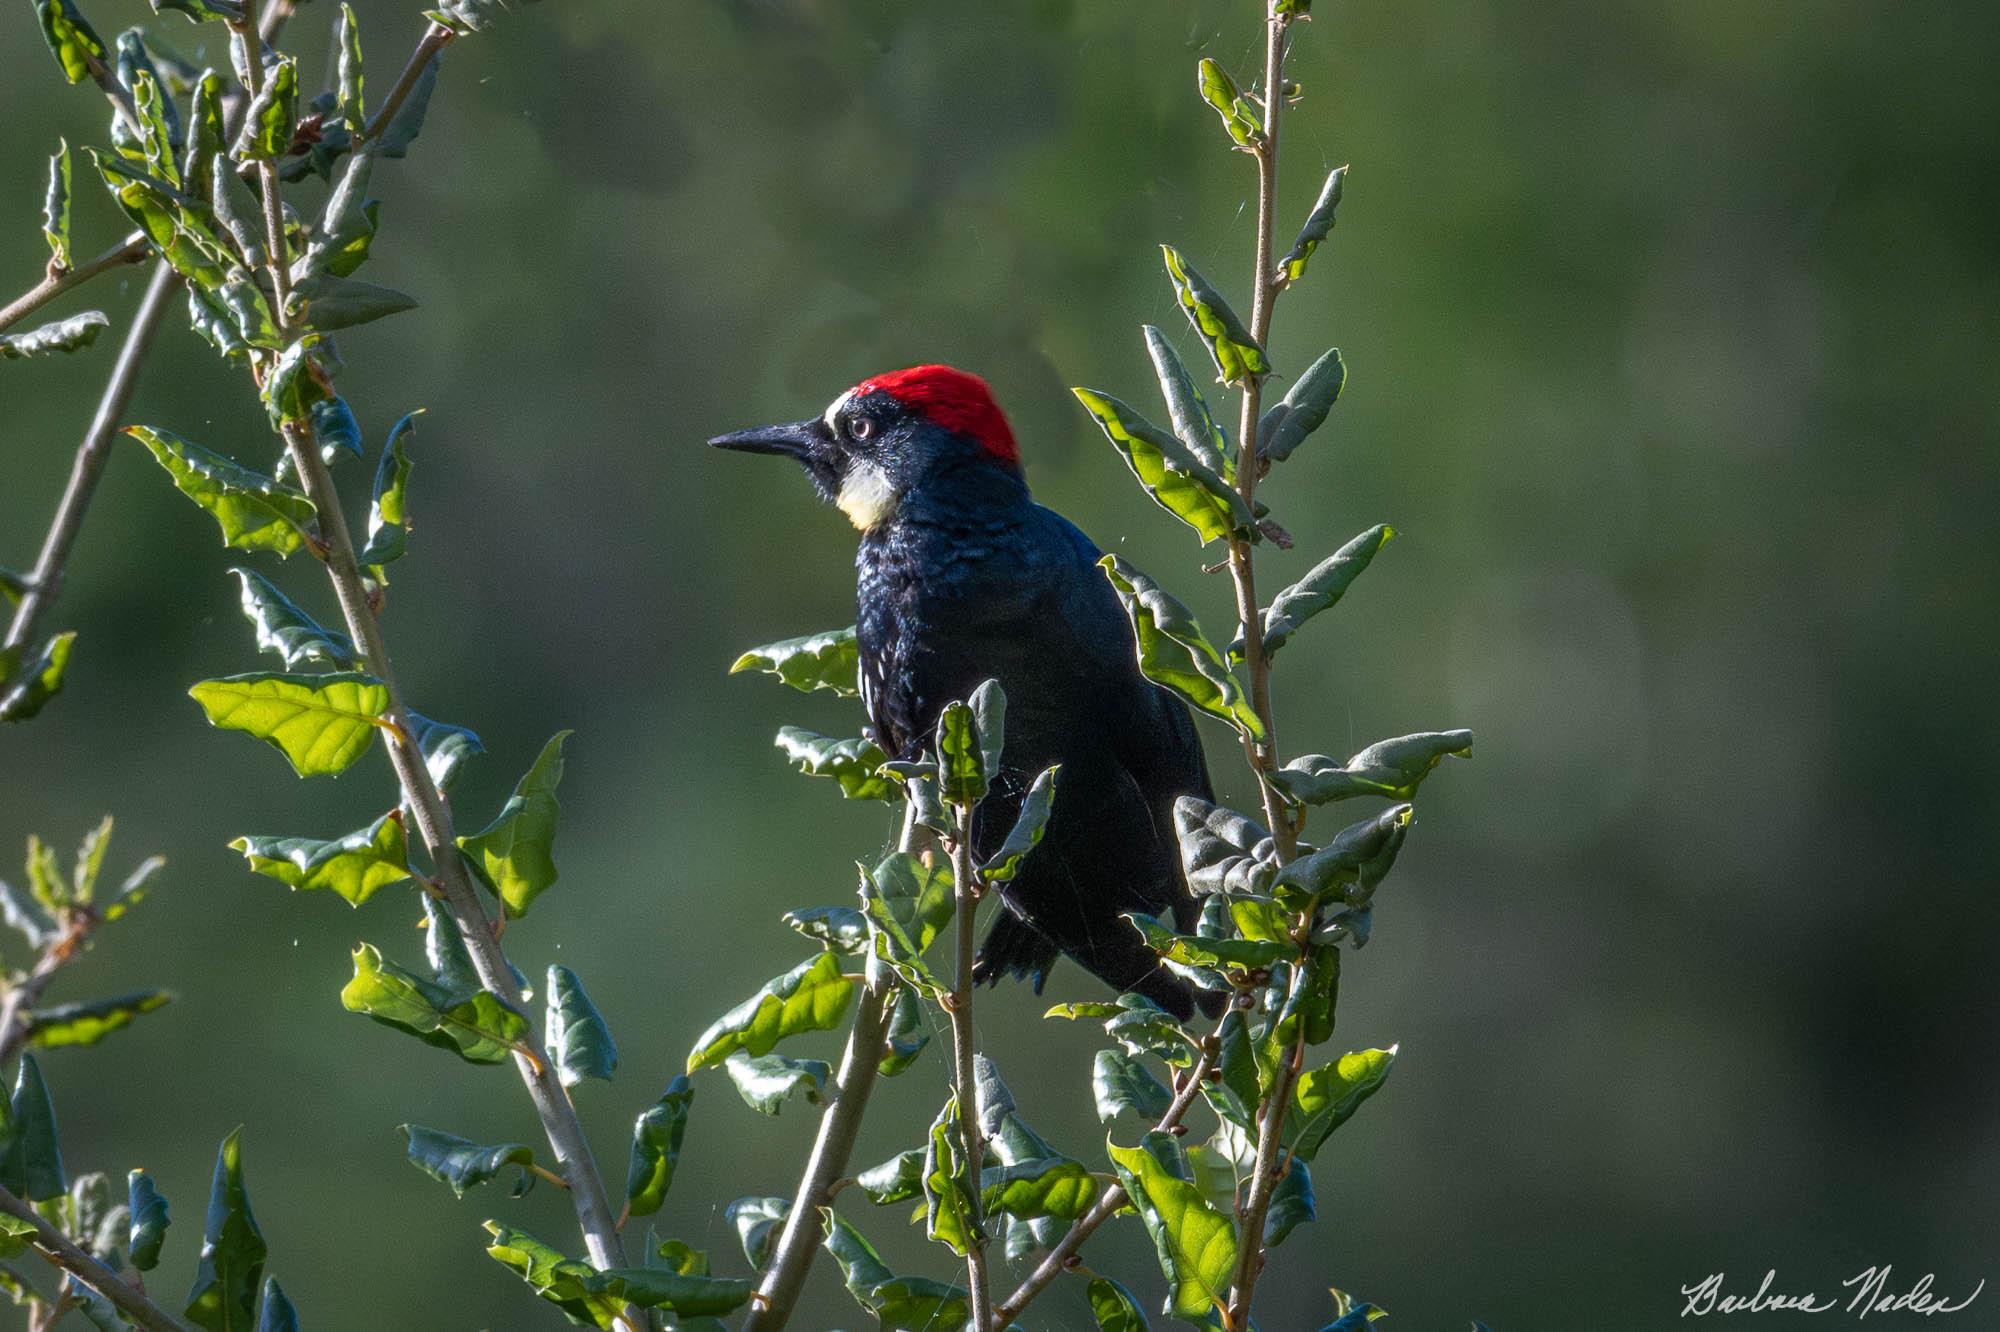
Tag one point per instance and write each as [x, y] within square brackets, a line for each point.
[146, 1229]
[1048, 1186]
[570, 1285]
[1221, 850]
[480, 1028]
[460, 1162]
[1026, 834]
[1115, 1308]
[1325, 1098]
[224, 1295]
[1312, 998]
[656, 1147]
[662, 1288]
[1194, 425]
[347, 223]
[757, 1222]
[909, 904]
[23, 913]
[841, 928]
[348, 40]
[133, 891]
[1122, 1084]
[1233, 955]
[13, 586]
[283, 628]
[296, 382]
[813, 996]
[64, 335]
[1173, 651]
[829, 660]
[1195, 1242]
[1392, 768]
[966, 757]
[766, 1082]
[900, 1303]
[898, 1179]
[1286, 423]
[254, 511]
[334, 426]
[159, 122]
[1170, 472]
[909, 1032]
[75, 44]
[25, 689]
[1319, 590]
[515, 854]
[575, 1033]
[31, 1161]
[321, 723]
[949, 1214]
[267, 125]
[356, 866]
[56, 208]
[198, 11]
[1236, 354]
[1239, 116]
[327, 302]
[1319, 222]
[408, 121]
[277, 1315]
[1292, 1205]
[445, 747]
[90, 1021]
[90, 855]
[389, 512]
[200, 164]
[852, 763]
[1357, 859]
[1236, 1094]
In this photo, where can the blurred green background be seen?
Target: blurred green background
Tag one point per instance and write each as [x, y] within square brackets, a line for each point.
[1670, 331]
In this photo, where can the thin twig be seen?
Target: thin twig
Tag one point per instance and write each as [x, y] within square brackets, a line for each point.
[435, 39]
[53, 1245]
[965, 886]
[133, 249]
[840, 1124]
[1058, 1259]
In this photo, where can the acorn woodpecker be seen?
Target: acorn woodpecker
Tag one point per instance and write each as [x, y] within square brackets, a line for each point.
[963, 577]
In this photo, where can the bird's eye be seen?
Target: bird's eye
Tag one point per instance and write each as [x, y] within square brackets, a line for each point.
[860, 428]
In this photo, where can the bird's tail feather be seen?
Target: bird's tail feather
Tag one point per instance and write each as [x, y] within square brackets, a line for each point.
[1013, 947]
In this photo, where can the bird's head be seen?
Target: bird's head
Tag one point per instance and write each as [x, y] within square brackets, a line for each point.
[890, 436]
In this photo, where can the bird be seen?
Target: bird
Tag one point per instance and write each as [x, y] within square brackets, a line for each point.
[960, 577]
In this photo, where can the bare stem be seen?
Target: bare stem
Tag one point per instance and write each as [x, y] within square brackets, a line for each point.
[436, 37]
[965, 884]
[133, 249]
[1058, 1259]
[860, 1064]
[53, 1245]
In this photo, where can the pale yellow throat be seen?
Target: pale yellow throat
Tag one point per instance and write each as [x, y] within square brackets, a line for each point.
[867, 496]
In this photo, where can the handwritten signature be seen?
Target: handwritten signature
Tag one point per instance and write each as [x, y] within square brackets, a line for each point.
[1871, 1294]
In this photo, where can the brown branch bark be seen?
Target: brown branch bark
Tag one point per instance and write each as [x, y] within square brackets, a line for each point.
[53, 1245]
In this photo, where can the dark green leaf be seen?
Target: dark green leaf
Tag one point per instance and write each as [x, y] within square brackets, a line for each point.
[813, 996]
[1286, 423]
[1236, 354]
[389, 512]
[1239, 116]
[1312, 998]
[297, 382]
[340, 241]
[757, 1222]
[159, 121]
[26, 687]
[90, 1021]
[1026, 834]
[356, 866]
[1392, 768]
[1325, 1098]
[1221, 850]
[1235, 955]
[656, 1147]
[841, 928]
[409, 118]
[348, 40]
[224, 1295]
[321, 723]
[200, 160]
[766, 1082]
[575, 1032]
[334, 426]
[1319, 590]
[328, 303]
[31, 1161]
[1195, 1242]
[1319, 222]
[829, 660]
[662, 1288]
[900, 1303]
[1357, 859]
[460, 1162]
[1050, 1186]
[1292, 1205]
[277, 1315]
[1170, 472]
[852, 763]
[1121, 1083]
[288, 631]
[909, 1032]
[570, 1285]
[1114, 1307]
[1173, 651]
[254, 511]
[1236, 1095]
[64, 335]
[146, 1229]
[446, 747]
[267, 125]
[75, 44]
[480, 1028]
[515, 853]
[1193, 423]
[898, 1179]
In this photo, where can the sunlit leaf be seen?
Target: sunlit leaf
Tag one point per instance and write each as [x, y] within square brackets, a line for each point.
[766, 1082]
[1189, 950]
[898, 1179]
[1026, 834]
[813, 996]
[657, 1135]
[460, 1162]
[254, 511]
[321, 723]
[909, 903]
[75, 44]
[1123, 1085]
[90, 1021]
[515, 854]
[829, 660]
[285, 629]
[1115, 1308]
[27, 686]
[1048, 1186]
[1236, 354]
[852, 763]
[1173, 651]
[1325, 1098]
[480, 1028]
[841, 928]
[948, 1201]
[224, 1295]
[356, 866]
[1354, 862]
[147, 1221]
[297, 382]
[1178, 480]
[757, 1222]
[1319, 222]
[568, 1284]
[1194, 1241]
[388, 511]
[899, 1303]
[575, 1033]
[267, 125]
[909, 1032]
[1391, 768]
[1239, 116]
[348, 41]
[64, 335]
[1194, 425]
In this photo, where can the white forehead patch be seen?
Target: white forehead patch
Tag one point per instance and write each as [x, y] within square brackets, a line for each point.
[867, 496]
[833, 412]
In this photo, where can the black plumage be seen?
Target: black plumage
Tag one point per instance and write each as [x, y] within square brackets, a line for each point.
[963, 577]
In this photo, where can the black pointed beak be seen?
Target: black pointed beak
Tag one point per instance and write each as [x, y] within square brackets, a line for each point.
[797, 439]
